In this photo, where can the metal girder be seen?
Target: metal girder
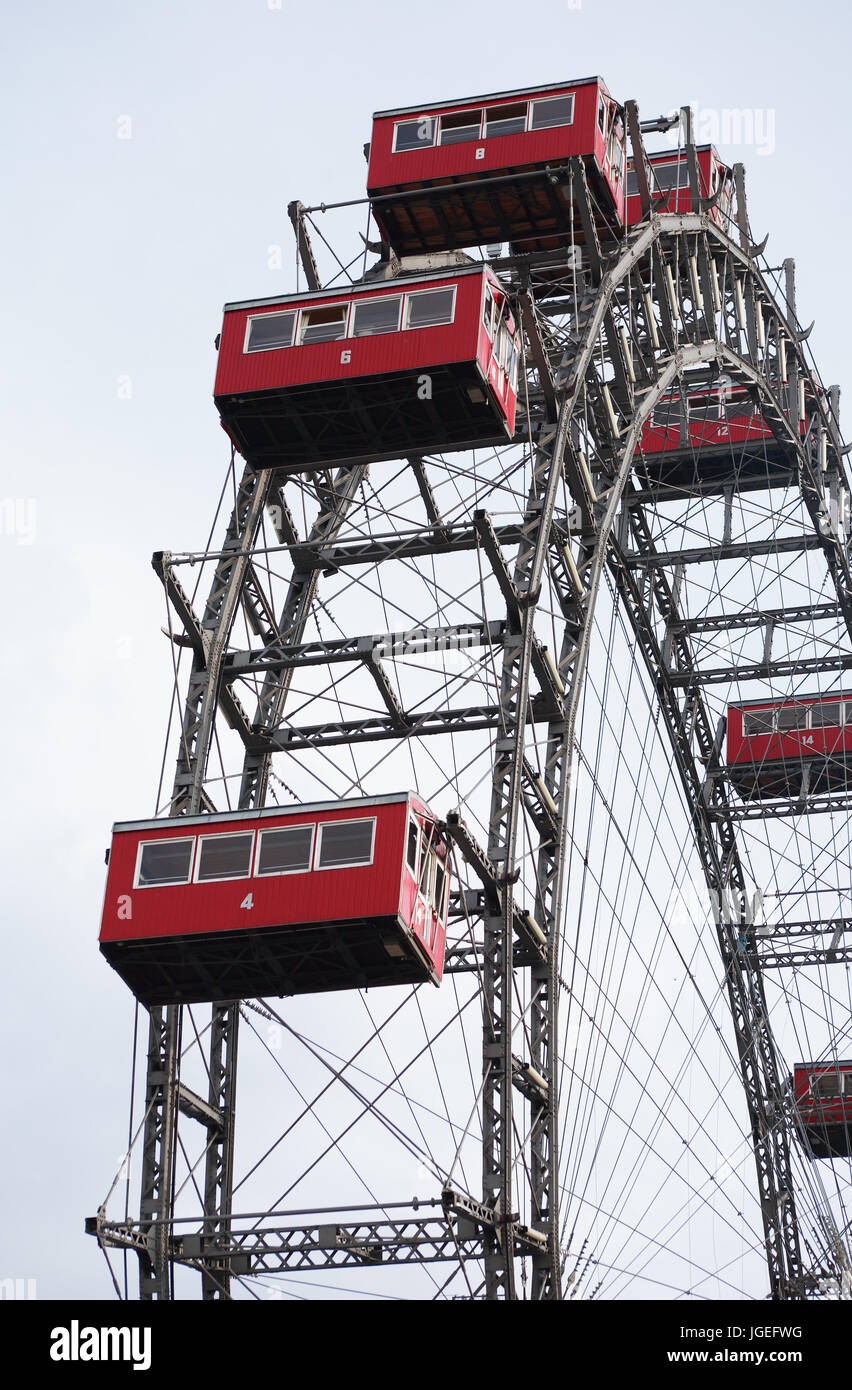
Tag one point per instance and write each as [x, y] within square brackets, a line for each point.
[433, 511]
[219, 1160]
[296, 212]
[417, 725]
[781, 617]
[814, 955]
[158, 1152]
[813, 805]
[714, 554]
[613, 415]
[209, 639]
[438, 540]
[219, 614]
[291, 625]
[200, 639]
[388, 645]
[761, 670]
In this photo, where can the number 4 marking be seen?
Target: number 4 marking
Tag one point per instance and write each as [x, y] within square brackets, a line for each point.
[247, 901]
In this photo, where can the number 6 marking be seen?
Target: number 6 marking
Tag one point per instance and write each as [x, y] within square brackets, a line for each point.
[346, 355]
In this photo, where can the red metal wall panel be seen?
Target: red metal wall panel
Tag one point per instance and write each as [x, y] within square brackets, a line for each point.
[792, 745]
[407, 350]
[679, 199]
[324, 895]
[821, 1110]
[443, 162]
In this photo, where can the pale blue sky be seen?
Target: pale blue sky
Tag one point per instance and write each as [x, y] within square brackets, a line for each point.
[116, 257]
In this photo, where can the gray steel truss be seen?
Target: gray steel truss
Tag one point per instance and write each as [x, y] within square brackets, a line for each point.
[675, 299]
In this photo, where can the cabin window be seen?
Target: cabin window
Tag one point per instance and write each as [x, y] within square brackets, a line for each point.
[224, 856]
[430, 307]
[669, 413]
[426, 861]
[323, 325]
[505, 120]
[827, 716]
[287, 850]
[616, 147]
[552, 111]
[376, 316]
[601, 113]
[632, 182]
[829, 1085]
[164, 861]
[440, 891]
[268, 331]
[671, 175]
[460, 126]
[792, 717]
[757, 721]
[414, 135]
[488, 312]
[504, 351]
[412, 847]
[345, 842]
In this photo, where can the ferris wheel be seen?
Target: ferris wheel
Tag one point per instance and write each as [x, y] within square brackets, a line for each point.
[510, 823]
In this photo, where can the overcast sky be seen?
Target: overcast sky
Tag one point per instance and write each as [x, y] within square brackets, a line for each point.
[149, 153]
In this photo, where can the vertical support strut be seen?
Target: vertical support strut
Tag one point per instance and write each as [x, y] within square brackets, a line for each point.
[219, 1168]
[189, 798]
[158, 1151]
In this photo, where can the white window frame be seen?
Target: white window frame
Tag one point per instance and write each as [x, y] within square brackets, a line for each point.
[829, 700]
[557, 96]
[276, 314]
[414, 120]
[426, 848]
[374, 299]
[229, 878]
[488, 299]
[257, 872]
[414, 294]
[764, 733]
[418, 829]
[441, 910]
[440, 125]
[840, 1075]
[527, 118]
[362, 863]
[174, 883]
[309, 309]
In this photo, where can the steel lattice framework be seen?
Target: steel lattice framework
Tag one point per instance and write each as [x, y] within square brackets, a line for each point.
[676, 303]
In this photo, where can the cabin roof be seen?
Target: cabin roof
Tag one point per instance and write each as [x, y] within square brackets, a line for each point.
[794, 700]
[265, 812]
[402, 283]
[490, 96]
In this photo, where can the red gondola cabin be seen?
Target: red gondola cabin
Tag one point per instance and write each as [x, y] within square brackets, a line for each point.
[788, 747]
[823, 1095]
[494, 168]
[378, 371]
[716, 436]
[669, 174]
[295, 900]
